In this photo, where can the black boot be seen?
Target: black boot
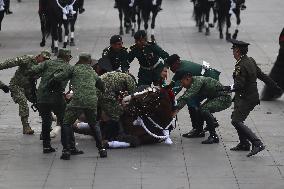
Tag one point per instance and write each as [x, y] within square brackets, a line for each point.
[213, 138]
[197, 124]
[194, 134]
[256, 149]
[47, 147]
[241, 147]
[65, 154]
[75, 151]
[103, 153]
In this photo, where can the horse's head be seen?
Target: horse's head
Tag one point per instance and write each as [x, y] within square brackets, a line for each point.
[147, 102]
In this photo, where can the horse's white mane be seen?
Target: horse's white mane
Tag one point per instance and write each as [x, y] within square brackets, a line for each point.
[148, 89]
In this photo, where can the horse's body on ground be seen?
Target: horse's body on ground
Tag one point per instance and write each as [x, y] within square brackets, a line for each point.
[154, 107]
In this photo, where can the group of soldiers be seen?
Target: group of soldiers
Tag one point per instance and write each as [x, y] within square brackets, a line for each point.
[102, 88]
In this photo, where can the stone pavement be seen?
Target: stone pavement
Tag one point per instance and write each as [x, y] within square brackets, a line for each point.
[183, 165]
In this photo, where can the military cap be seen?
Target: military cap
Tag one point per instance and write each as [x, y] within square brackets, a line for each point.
[86, 57]
[45, 54]
[115, 39]
[64, 52]
[140, 34]
[105, 64]
[172, 59]
[181, 74]
[238, 44]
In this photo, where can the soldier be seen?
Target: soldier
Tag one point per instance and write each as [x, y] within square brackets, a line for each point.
[84, 82]
[246, 96]
[115, 83]
[23, 84]
[117, 54]
[208, 88]
[149, 55]
[4, 87]
[177, 65]
[50, 95]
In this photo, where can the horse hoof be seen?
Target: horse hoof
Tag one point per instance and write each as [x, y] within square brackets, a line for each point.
[228, 36]
[64, 45]
[235, 34]
[72, 43]
[211, 25]
[55, 51]
[120, 32]
[207, 32]
[132, 32]
[42, 44]
[153, 38]
[221, 36]
[200, 29]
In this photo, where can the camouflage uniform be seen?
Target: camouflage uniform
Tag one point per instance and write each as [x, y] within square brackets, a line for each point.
[49, 95]
[114, 83]
[148, 58]
[216, 101]
[84, 82]
[22, 86]
[117, 59]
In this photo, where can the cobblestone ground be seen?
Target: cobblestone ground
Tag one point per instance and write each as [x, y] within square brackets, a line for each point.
[186, 163]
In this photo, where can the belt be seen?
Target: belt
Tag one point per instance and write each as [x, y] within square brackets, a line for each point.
[160, 61]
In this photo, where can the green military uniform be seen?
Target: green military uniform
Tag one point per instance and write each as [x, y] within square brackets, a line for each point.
[194, 103]
[84, 82]
[50, 95]
[22, 86]
[216, 101]
[208, 88]
[118, 59]
[246, 97]
[149, 60]
[114, 83]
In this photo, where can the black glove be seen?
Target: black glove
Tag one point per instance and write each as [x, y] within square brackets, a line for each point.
[243, 7]
[81, 10]
[5, 88]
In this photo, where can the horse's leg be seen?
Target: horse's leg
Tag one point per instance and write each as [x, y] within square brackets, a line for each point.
[59, 31]
[127, 20]
[155, 13]
[228, 25]
[55, 38]
[237, 13]
[72, 28]
[220, 25]
[206, 15]
[120, 19]
[139, 18]
[133, 20]
[66, 32]
[145, 17]
[42, 28]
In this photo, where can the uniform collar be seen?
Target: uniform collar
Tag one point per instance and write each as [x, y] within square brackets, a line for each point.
[238, 61]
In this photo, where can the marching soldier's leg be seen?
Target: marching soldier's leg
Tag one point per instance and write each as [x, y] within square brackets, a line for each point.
[95, 126]
[19, 98]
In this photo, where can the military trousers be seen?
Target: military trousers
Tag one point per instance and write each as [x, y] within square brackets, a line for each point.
[147, 77]
[214, 105]
[242, 108]
[71, 115]
[45, 110]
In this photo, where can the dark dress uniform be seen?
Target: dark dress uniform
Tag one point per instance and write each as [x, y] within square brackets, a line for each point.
[246, 98]
[150, 57]
[118, 59]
